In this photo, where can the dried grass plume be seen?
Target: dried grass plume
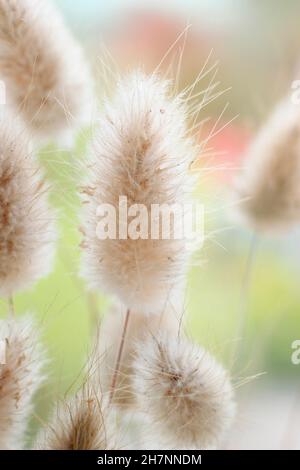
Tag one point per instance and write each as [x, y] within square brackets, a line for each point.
[185, 393]
[142, 151]
[27, 226]
[82, 422]
[45, 75]
[20, 377]
[268, 189]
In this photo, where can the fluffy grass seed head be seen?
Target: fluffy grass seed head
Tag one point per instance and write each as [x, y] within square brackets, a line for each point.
[268, 189]
[20, 377]
[139, 327]
[141, 151]
[45, 75]
[185, 393]
[27, 228]
[82, 422]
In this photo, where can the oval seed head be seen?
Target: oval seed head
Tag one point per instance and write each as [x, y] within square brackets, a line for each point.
[20, 377]
[45, 75]
[142, 153]
[27, 229]
[268, 189]
[185, 393]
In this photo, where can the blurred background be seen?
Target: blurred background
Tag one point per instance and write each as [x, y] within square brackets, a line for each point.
[256, 44]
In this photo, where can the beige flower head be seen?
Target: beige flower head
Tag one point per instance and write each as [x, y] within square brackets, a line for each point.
[185, 393]
[20, 378]
[27, 228]
[45, 75]
[141, 151]
[268, 190]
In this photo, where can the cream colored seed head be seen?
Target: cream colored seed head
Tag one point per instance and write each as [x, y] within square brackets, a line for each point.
[268, 189]
[82, 422]
[46, 78]
[20, 377]
[141, 151]
[184, 392]
[27, 228]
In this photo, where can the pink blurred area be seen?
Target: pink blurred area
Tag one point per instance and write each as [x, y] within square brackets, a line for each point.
[145, 37]
[225, 151]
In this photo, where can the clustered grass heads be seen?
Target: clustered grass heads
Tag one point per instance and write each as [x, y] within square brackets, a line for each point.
[268, 189]
[142, 151]
[186, 394]
[140, 326]
[45, 75]
[20, 378]
[27, 224]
